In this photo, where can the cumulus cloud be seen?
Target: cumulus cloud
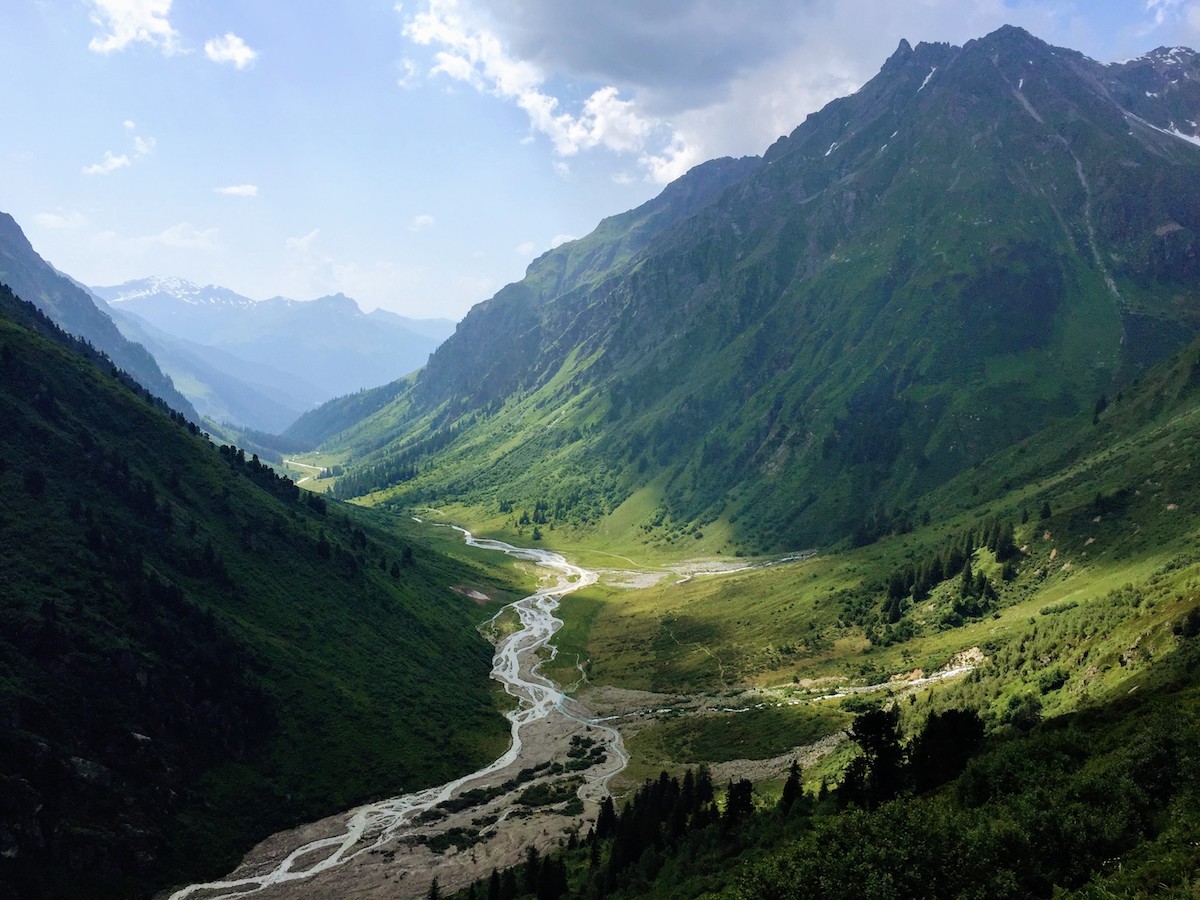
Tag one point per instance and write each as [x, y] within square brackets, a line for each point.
[61, 220]
[672, 84]
[420, 223]
[410, 73]
[230, 49]
[238, 190]
[1171, 12]
[125, 22]
[107, 165]
[143, 146]
[560, 239]
[186, 236]
[467, 51]
[303, 244]
[526, 248]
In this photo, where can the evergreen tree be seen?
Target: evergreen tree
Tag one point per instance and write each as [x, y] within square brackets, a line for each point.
[531, 870]
[606, 820]
[435, 892]
[966, 586]
[792, 789]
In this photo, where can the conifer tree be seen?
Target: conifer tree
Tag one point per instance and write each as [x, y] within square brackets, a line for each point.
[792, 789]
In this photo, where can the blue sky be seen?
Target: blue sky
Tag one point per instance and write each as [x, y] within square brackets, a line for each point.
[418, 155]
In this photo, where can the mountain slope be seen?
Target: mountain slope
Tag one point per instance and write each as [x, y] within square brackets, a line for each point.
[978, 241]
[31, 277]
[223, 387]
[328, 345]
[182, 629]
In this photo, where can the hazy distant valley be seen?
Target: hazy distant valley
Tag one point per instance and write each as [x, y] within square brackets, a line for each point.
[833, 531]
[263, 364]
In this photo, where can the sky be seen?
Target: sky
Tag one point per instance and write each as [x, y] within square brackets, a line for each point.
[418, 155]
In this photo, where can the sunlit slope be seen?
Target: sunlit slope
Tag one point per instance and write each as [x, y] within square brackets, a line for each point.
[980, 241]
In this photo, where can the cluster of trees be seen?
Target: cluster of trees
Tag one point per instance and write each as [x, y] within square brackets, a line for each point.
[260, 473]
[917, 579]
[628, 848]
[673, 826]
[397, 468]
[944, 813]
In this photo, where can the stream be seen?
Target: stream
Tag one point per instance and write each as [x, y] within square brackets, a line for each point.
[515, 665]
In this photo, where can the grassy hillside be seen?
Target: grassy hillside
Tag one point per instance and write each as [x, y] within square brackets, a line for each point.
[921, 275]
[193, 653]
[1080, 711]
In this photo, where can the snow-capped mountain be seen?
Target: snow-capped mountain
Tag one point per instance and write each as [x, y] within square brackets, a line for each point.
[325, 347]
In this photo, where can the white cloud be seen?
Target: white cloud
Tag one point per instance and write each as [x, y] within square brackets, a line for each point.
[560, 239]
[125, 22]
[671, 84]
[186, 236]
[238, 190]
[302, 244]
[230, 49]
[129, 126]
[471, 53]
[61, 220]
[527, 248]
[1165, 12]
[143, 146]
[107, 165]
[410, 73]
[420, 223]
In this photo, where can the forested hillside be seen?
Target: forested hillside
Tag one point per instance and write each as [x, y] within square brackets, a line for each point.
[193, 653]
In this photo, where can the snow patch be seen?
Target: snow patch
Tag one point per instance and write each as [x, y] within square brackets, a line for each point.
[832, 147]
[1020, 84]
[926, 81]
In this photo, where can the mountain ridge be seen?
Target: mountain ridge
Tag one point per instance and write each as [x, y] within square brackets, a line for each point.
[73, 308]
[975, 223]
[328, 346]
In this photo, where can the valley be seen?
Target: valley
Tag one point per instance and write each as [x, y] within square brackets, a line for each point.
[826, 525]
[489, 813]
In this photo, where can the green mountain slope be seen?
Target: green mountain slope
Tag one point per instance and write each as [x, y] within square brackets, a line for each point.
[979, 241]
[1063, 764]
[72, 307]
[181, 631]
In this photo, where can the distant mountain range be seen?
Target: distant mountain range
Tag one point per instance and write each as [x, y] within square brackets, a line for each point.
[797, 348]
[264, 363]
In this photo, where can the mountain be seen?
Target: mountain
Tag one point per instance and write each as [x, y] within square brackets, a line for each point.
[328, 346]
[795, 349]
[223, 387]
[32, 278]
[182, 629]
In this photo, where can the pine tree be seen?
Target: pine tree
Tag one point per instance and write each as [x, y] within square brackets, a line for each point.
[967, 584]
[792, 789]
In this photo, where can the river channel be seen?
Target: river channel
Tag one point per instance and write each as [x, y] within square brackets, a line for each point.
[313, 860]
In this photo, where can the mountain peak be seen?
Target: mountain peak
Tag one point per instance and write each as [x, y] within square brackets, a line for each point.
[12, 235]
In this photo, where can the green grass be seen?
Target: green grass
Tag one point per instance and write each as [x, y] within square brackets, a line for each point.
[716, 737]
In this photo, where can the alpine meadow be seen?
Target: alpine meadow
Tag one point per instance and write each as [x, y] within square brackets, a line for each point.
[825, 526]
